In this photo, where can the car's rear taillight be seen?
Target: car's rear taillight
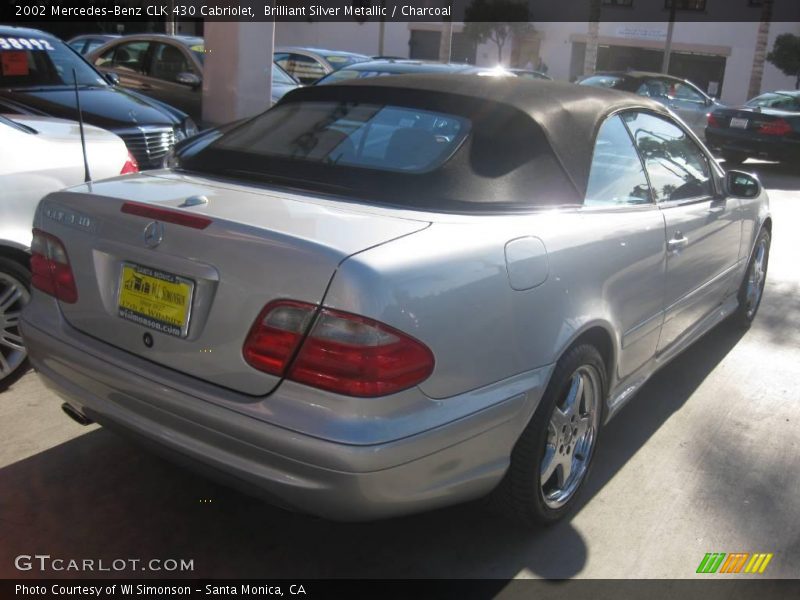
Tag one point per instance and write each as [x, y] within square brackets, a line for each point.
[344, 353]
[130, 166]
[712, 120]
[776, 127]
[50, 268]
[276, 334]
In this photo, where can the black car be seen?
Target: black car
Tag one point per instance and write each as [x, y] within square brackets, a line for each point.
[37, 79]
[768, 126]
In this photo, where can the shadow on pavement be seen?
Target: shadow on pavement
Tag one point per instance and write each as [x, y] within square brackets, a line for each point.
[99, 496]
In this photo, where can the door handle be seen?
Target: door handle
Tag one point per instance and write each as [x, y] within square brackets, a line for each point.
[717, 206]
[677, 243]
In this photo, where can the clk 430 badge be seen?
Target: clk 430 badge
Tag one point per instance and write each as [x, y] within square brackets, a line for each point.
[70, 218]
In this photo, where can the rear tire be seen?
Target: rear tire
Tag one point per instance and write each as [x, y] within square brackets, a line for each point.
[14, 294]
[751, 289]
[551, 460]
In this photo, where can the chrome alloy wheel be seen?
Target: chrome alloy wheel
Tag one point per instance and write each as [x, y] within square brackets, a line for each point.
[756, 278]
[571, 436]
[13, 296]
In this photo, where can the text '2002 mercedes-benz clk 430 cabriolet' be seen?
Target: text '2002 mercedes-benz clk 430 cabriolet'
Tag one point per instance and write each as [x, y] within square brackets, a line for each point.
[389, 295]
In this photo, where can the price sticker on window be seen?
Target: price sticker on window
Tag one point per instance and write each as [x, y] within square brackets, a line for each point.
[14, 63]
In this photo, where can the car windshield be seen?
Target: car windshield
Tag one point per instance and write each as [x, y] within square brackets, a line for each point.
[339, 61]
[388, 138]
[605, 81]
[29, 62]
[776, 100]
[345, 74]
[281, 76]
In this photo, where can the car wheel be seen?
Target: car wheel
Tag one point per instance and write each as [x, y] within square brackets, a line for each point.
[752, 287]
[14, 294]
[551, 460]
[733, 158]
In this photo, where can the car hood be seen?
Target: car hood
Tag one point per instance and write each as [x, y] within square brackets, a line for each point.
[109, 107]
[62, 129]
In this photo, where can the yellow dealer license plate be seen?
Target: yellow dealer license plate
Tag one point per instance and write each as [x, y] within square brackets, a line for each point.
[155, 299]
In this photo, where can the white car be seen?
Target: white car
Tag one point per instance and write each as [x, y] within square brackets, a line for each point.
[39, 155]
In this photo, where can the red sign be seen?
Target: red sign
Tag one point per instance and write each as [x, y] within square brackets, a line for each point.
[14, 64]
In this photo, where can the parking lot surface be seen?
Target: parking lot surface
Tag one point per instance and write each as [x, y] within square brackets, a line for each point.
[704, 459]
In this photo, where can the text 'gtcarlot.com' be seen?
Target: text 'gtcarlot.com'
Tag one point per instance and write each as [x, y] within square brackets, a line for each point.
[44, 562]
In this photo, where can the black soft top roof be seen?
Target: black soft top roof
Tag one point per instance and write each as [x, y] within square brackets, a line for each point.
[566, 115]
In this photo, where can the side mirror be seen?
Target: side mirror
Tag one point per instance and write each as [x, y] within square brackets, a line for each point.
[189, 79]
[112, 78]
[742, 185]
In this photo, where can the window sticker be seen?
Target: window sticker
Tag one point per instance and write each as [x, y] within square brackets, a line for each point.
[14, 64]
[24, 44]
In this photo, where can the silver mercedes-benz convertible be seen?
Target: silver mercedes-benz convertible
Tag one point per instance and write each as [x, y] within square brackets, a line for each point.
[390, 295]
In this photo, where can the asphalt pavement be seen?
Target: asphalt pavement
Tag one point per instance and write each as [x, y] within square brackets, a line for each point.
[704, 459]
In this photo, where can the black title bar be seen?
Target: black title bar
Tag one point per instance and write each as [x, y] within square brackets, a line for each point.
[33, 11]
[701, 588]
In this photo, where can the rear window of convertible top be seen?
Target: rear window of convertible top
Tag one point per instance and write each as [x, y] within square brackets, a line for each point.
[453, 153]
[389, 138]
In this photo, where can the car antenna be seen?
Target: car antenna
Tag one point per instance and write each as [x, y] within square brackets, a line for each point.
[86, 176]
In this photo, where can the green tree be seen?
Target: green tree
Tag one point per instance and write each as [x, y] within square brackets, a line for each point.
[785, 55]
[496, 21]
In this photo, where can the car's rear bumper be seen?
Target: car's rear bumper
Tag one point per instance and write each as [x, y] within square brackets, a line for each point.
[752, 145]
[461, 460]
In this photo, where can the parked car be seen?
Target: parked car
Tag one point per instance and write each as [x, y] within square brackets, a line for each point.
[768, 126]
[530, 74]
[167, 68]
[84, 44]
[688, 101]
[364, 305]
[37, 79]
[307, 65]
[39, 155]
[380, 68]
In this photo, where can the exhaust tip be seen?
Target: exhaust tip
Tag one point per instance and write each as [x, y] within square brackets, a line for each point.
[76, 415]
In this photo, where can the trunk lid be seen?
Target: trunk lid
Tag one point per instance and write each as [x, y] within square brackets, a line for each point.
[261, 245]
[748, 120]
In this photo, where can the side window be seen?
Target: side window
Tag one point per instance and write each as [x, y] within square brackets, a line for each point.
[653, 88]
[303, 68]
[681, 91]
[677, 167]
[106, 59]
[616, 177]
[92, 45]
[128, 57]
[168, 62]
